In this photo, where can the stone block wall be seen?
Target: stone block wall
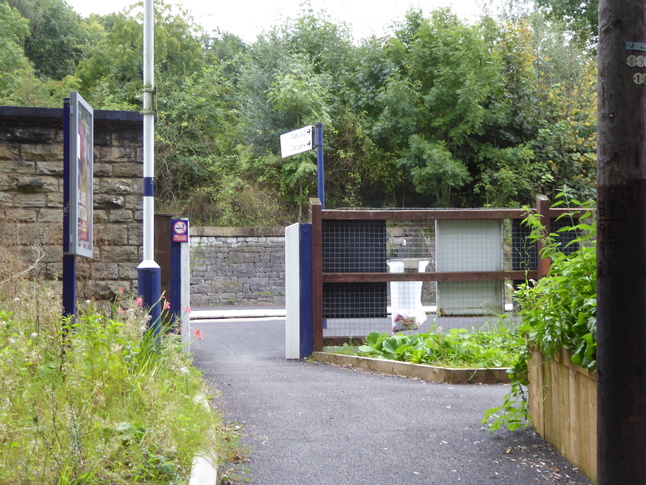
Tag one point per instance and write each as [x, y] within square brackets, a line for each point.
[228, 265]
[237, 266]
[31, 196]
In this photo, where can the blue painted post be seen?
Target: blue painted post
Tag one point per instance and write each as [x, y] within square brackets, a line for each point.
[320, 164]
[175, 297]
[180, 278]
[305, 270]
[69, 260]
[299, 334]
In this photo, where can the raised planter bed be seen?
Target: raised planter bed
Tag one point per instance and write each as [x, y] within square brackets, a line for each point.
[417, 371]
[563, 408]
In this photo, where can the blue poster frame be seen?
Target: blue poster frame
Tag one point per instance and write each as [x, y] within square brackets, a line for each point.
[81, 177]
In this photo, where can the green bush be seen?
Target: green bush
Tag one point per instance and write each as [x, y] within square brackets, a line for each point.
[558, 312]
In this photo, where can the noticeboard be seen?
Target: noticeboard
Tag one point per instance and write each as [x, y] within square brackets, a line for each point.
[81, 173]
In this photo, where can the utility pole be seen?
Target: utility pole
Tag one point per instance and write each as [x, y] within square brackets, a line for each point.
[621, 253]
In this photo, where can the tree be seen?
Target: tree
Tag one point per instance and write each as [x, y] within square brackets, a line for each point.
[58, 39]
[14, 30]
[443, 92]
[112, 75]
[19, 85]
[303, 97]
[579, 15]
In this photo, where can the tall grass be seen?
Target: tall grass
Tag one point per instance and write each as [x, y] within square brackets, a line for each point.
[95, 400]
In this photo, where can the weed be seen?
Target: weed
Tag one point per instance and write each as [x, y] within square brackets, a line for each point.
[97, 399]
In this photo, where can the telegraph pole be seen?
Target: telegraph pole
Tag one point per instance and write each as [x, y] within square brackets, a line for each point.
[621, 253]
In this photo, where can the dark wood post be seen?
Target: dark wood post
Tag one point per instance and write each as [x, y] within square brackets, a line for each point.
[317, 273]
[543, 210]
[621, 249]
[162, 251]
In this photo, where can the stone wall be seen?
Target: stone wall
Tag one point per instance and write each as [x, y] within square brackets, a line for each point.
[237, 266]
[31, 196]
[228, 265]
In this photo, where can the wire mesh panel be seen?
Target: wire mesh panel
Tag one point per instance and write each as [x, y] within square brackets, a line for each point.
[354, 246]
[524, 252]
[354, 309]
[412, 240]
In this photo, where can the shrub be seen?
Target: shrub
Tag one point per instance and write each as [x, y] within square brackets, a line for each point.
[558, 311]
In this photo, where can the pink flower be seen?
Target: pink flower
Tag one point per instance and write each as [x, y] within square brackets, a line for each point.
[166, 305]
[121, 289]
[121, 311]
[198, 334]
[187, 309]
[140, 301]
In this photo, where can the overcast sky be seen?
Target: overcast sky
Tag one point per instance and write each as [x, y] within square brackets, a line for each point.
[247, 18]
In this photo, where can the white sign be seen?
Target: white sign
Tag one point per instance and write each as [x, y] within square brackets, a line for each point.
[297, 141]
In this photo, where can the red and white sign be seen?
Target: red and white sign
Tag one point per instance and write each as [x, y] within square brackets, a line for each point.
[180, 230]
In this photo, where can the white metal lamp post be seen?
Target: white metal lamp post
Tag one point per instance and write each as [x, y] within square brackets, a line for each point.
[149, 272]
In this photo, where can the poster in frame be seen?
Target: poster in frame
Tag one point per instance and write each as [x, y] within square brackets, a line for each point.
[81, 150]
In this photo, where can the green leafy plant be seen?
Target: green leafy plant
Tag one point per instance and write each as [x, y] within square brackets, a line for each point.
[558, 312]
[457, 348]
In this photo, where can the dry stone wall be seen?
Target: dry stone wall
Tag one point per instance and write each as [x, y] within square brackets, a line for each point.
[237, 266]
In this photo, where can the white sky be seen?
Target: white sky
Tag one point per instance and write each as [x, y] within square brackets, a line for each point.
[247, 18]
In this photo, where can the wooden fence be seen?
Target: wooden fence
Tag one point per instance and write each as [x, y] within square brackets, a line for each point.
[321, 277]
[563, 408]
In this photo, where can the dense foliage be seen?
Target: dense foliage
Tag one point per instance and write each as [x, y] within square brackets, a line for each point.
[558, 312]
[439, 112]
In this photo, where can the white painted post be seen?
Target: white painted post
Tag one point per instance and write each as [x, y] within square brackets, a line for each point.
[292, 292]
[185, 319]
[149, 272]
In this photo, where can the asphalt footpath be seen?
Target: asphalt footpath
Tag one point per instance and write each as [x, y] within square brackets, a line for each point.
[307, 423]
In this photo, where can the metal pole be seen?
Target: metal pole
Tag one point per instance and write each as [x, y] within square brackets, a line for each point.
[69, 260]
[543, 210]
[621, 244]
[148, 271]
[320, 163]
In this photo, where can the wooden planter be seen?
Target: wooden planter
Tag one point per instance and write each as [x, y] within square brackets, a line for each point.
[563, 408]
[416, 371]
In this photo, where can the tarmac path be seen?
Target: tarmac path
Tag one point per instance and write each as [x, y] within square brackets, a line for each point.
[307, 423]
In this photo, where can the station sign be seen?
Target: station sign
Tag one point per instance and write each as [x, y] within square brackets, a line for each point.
[297, 141]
